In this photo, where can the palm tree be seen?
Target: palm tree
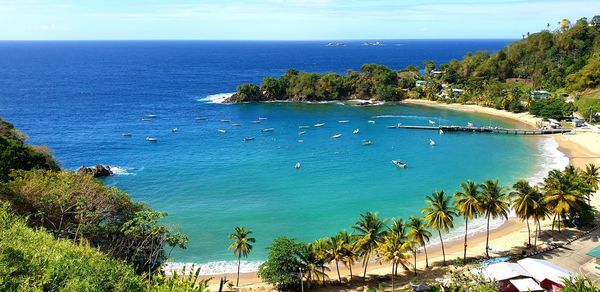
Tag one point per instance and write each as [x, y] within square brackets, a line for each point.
[468, 205]
[336, 251]
[524, 202]
[494, 203]
[393, 250]
[419, 233]
[241, 246]
[321, 247]
[439, 215]
[563, 193]
[350, 251]
[539, 211]
[371, 231]
[591, 176]
[309, 260]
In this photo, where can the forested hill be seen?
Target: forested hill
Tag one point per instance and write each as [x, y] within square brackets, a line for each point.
[564, 60]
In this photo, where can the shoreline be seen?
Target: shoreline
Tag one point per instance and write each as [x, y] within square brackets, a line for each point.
[580, 149]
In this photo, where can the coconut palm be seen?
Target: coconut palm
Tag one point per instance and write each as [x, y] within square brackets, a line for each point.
[336, 251]
[371, 231]
[398, 227]
[419, 233]
[241, 246]
[539, 211]
[494, 204]
[439, 215]
[350, 250]
[309, 261]
[467, 203]
[524, 202]
[591, 176]
[321, 247]
[563, 193]
[393, 250]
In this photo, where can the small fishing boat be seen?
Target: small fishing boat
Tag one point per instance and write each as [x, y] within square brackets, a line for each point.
[371, 122]
[248, 138]
[151, 116]
[469, 124]
[300, 141]
[431, 122]
[221, 131]
[319, 125]
[226, 121]
[303, 127]
[200, 118]
[151, 139]
[297, 166]
[431, 142]
[126, 134]
[336, 136]
[344, 121]
[174, 130]
[262, 119]
[268, 130]
[356, 131]
[399, 164]
[145, 119]
[302, 133]
[255, 122]
[441, 131]
[366, 142]
[236, 124]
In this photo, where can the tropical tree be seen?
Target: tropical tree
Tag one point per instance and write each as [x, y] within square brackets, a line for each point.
[539, 211]
[336, 251]
[591, 176]
[523, 200]
[393, 250]
[494, 203]
[439, 215]
[467, 203]
[350, 250]
[419, 234]
[321, 247]
[309, 262]
[241, 246]
[562, 192]
[371, 231]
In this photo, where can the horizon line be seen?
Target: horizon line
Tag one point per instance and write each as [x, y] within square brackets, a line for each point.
[246, 40]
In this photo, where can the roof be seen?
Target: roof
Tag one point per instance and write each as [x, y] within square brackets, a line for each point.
[541, 270]
[526, 284]
[504, 271]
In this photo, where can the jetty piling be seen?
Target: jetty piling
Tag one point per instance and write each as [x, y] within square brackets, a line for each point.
[488, 130]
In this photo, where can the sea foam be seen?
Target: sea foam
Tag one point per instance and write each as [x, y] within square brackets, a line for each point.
[216, 98]
[212, 268]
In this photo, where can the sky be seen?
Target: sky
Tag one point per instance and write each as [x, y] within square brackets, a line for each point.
[282, 19]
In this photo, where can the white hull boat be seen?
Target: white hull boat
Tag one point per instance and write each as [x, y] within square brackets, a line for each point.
[399, 164]
[336, 136]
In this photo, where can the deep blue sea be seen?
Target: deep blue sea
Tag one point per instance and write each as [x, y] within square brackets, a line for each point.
[78, 97]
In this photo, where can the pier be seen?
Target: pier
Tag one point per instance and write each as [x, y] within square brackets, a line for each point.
[489, 130]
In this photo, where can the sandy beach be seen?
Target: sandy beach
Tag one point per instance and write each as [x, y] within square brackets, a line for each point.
[581, 148]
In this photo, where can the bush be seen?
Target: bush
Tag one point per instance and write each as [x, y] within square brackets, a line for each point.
[281, 267]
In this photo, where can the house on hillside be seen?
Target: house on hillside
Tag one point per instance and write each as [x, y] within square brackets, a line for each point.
[421, 83]
[540, 94]
[595, 21]
[436, 73]
[526, 275]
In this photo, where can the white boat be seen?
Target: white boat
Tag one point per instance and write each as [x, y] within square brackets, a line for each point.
[319, 125]
[300, 141]
[469, 124]
[366, 142]
[371, 122]
[431, 142]
[399, 164]
[302, 133]
[174, 130]
[248, 138]
[145, 119]
[344, 121]
[151, 139]
[225, 121]
[297, 166]
[255, 122]
[431, 122]
[151, 116]
[236, 124]
[201, 118]
[441, 131]
[268, 130]
[303, 127]
[336, 136]
[262, 119]
[126, 134]
[221, 131]
[356, 131]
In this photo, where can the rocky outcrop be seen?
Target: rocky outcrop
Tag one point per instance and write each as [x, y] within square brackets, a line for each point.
[97, 171]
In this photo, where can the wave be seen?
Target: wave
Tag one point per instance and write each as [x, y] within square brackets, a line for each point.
[119, 170]
[551, 158]
[216, 98]
[211, 268]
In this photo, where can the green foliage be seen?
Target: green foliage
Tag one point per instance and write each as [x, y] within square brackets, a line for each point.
[579, 284]
[552, 108]
[248, 92]
[81, 208]
[282, 266]
[15, 154]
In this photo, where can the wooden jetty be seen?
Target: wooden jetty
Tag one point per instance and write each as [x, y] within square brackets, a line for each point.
[489, 130]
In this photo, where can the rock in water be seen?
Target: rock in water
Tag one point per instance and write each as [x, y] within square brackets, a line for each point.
[97, 171]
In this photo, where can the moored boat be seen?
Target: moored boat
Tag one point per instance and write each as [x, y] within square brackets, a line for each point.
[248, 138]
[399, 164]
[319, 125]
[236, 124]
[151, 139]
[126, 134]
[336, 136]
[371, 122]
[441, 131]
[344, 121]
[431, 122]
[297, 165]
[174, 130]
[200, 118]
[431, 142]
[268, 130]
[261, 119]
[302, 133]
[221, 131]
[226, 121]
[303, 127]
[366, 142]
[356, 131]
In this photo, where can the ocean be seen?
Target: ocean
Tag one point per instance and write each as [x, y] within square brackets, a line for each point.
[79, 97]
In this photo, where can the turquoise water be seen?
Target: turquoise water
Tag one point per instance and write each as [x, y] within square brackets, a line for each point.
[210, 182]
[595, 252]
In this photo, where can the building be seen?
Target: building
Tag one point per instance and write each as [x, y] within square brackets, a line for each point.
[539, 94]
[526, 275]
[595, 21]
[421, 83]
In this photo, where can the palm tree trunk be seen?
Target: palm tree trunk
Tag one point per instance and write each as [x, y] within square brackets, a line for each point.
[393, 277]
[237, 282]
[366, 262]
[528, 231]
[559, 219]
[443, 251]
[487, 237]
[415, 257]
[426, 257]
[466, 230]
[553, 221]
[337, 266]
[537, 233]
[350, 268]
[323, 278]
